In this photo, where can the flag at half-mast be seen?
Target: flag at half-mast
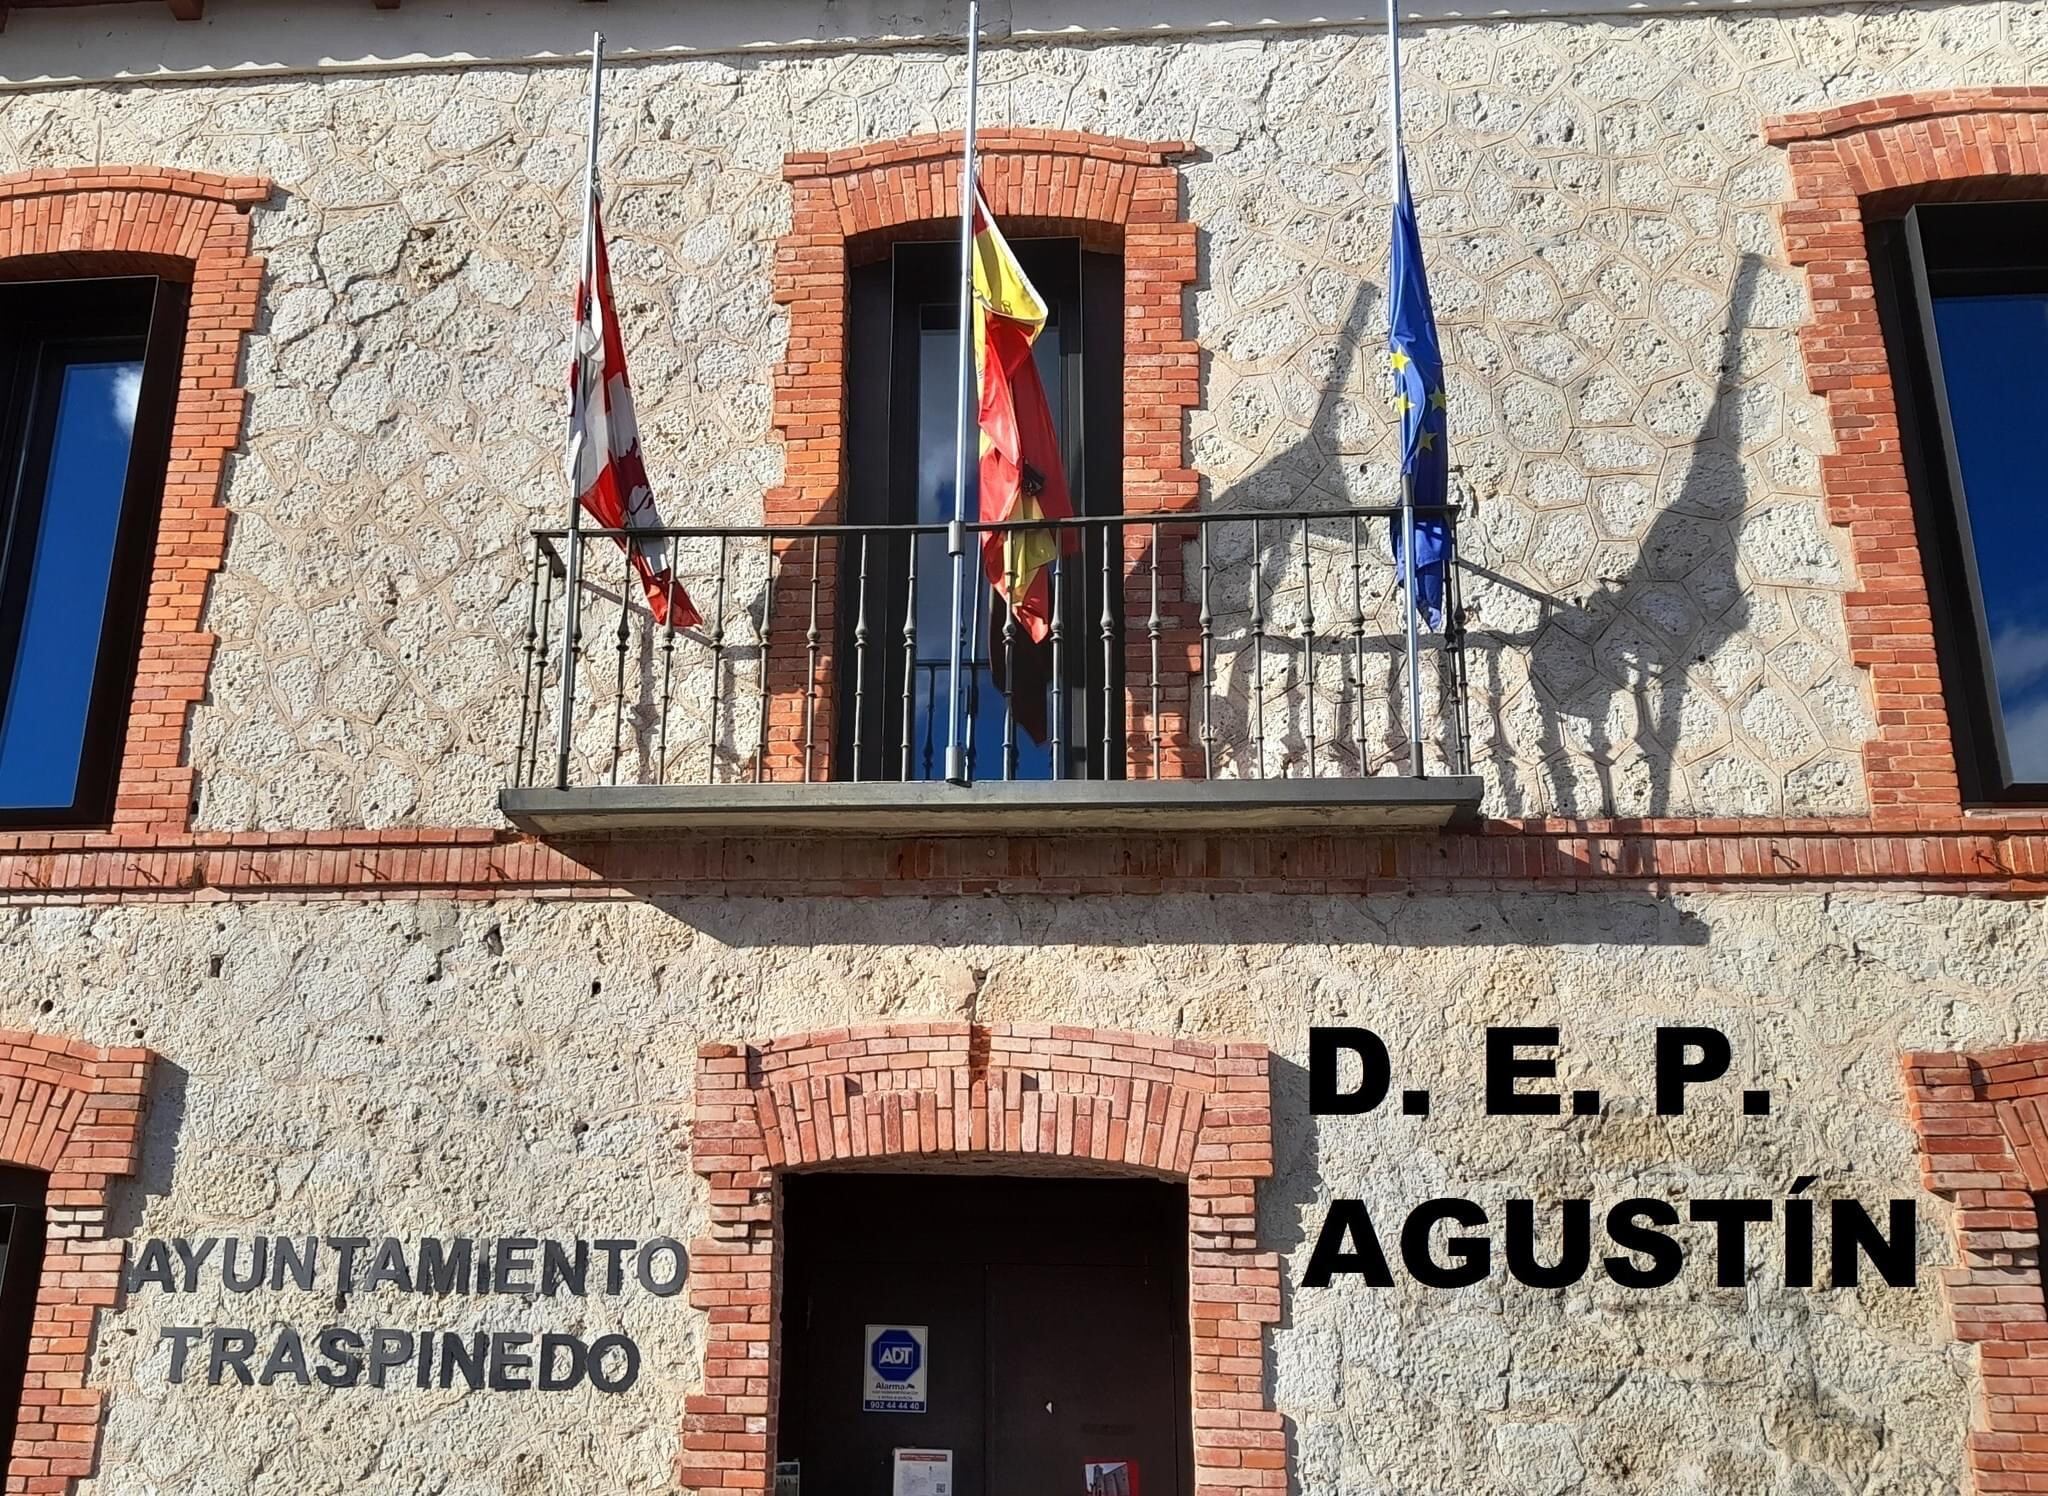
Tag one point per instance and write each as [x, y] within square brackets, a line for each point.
[1022, 475]
[1415, 359]
[605, 466]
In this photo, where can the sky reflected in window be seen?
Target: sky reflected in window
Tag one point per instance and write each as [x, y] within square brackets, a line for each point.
[49, 692]
[1994, 361]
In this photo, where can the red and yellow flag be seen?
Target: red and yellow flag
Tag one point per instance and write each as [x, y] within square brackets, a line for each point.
[1022, 474]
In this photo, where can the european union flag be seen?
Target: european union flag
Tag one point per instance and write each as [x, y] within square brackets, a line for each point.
[1417, 364]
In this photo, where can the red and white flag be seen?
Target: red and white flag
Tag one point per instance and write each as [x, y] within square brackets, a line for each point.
[604, 441]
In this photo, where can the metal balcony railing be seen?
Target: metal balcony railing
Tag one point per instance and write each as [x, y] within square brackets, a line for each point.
[1223, 649]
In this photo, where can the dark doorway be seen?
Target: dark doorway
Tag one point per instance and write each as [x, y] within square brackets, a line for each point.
[904, 343]
[22, 1193]
[1057, 1320]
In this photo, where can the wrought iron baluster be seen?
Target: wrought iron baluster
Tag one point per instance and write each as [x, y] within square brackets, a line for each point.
[860, 659]
[1454, 649]
[1010, 695]
[931, 709]
[717, 668]
[1108, 654]
[908, 729]
[625, 637]
[761, 668]
[1358, 648]
[540, 675]
[973, 669]
[668, 665]
[1308, 641]
[1258, 658]
[811, 669]
[572, 651]
[526, 700]
[1059, 679]
[1208, 667]
[1152, 640]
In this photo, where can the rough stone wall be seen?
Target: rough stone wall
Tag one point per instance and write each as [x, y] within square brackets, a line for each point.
[485, 1069]
[1599, 207]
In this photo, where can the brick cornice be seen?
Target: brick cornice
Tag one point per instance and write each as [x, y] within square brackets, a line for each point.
[192, 227]
[1847, 165]
[987, 1097]
[1996, 856]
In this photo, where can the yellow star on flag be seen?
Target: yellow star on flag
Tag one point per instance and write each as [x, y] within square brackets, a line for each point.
[1436, 399]
[1397, 360]
[1403, 404]
[1427, 441]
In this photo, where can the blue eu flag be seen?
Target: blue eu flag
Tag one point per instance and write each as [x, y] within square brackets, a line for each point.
[1417, 364]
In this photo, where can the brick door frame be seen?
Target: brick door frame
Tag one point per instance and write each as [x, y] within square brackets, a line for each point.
[985, 1098]
[74, 1113]
[191, 227]
[847, 208]
[1981, 1122]
[1848, 163]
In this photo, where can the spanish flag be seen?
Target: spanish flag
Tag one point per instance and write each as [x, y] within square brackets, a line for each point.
[1022, 474]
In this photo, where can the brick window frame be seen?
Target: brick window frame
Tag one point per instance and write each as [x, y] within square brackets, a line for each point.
[1981, 1121]
[191, 227]
[1850, 163]
[986, 1098]
[847, 208]
[73, 1112]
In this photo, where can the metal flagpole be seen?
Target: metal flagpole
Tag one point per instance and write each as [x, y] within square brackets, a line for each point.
[964, 425]
[573, 605]
[1415, 764]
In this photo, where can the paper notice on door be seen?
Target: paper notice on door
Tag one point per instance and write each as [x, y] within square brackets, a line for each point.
[1111, 1478]
[923, 1472]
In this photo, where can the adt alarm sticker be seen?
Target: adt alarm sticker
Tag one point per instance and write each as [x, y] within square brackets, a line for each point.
[893, 1375]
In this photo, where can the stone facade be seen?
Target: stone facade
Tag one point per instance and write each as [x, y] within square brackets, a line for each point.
[427, 1068]
[375, 1011]
[1601, 211]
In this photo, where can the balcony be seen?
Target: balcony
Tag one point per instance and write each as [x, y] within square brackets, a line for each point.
[1203, 671]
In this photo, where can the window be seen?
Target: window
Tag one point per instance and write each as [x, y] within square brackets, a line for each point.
[903, 380]
[21, 1273]
[88, 378]
[1963, 293]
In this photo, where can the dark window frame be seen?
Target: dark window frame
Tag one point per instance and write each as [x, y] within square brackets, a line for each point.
[1908, 275]
[39, 322]
[1084, 287]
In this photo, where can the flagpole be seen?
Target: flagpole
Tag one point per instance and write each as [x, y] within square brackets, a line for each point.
[587, 275]
[1408, 597]
[956, 532]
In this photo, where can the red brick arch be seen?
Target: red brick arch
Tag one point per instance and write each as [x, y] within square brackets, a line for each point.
[73, 1112]
[848, 207]
[1849, 163]
[191, 227]
[987, 1097]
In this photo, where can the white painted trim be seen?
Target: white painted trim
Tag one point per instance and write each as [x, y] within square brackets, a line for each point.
[43, 48]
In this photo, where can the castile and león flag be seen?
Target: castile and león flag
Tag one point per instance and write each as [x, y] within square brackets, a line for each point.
[606, 471]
